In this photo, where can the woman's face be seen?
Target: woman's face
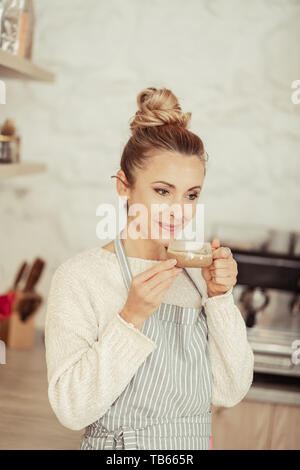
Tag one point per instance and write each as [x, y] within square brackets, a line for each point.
[168, 179]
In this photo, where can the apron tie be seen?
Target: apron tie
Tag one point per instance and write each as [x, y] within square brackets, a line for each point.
[122, 438]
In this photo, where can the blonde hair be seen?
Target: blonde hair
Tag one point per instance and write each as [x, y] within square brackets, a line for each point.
[158, 124]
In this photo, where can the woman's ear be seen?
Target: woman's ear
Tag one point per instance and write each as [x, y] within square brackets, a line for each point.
[122, 185]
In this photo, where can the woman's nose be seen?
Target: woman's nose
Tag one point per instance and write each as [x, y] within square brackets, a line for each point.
[176, 210]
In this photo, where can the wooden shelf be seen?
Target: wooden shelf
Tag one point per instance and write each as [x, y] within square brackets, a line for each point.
[12, 66]
[10, 170]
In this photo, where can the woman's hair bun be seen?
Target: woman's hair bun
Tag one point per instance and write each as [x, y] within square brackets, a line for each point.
[158, 107]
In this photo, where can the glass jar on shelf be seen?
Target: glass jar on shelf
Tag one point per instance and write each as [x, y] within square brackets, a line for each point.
[8, 149]
[9, 143]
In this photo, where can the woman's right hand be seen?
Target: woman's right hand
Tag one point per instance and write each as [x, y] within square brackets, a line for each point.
[147, 291]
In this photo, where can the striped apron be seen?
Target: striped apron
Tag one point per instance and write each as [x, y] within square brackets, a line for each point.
[166, 405]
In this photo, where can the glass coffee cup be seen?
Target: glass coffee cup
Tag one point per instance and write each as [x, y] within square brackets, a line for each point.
[190, 253]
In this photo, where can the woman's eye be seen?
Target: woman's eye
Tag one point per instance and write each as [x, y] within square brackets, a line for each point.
[194, 196]
[161, 189]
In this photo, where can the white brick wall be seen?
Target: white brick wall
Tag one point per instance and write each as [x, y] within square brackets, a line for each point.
[231, 63]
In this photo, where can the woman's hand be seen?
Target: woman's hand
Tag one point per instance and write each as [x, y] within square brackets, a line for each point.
[221, 275]
[147, 291]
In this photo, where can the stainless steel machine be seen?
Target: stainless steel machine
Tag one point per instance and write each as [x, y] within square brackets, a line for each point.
[268, 294]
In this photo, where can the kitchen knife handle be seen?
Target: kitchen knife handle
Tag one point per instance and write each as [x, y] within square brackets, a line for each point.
[34, 275]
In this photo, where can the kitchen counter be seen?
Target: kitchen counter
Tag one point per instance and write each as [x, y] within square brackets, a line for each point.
[27, 420]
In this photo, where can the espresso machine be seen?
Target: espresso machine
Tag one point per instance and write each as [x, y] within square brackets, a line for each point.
[268, 294]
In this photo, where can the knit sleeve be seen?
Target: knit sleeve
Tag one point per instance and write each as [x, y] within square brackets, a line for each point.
[88, 366]
[231, 356]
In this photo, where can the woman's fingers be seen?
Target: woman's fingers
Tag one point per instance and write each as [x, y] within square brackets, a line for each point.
[157, 268]
[222, 263]
[221, 272]
[161, 277]
[162, 287]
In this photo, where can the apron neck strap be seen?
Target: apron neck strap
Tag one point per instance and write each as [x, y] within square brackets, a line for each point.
[122, 259]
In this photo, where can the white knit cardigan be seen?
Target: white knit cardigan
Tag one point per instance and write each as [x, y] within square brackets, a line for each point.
[92, 353]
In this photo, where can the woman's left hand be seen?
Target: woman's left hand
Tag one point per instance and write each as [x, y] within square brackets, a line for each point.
[221, 275]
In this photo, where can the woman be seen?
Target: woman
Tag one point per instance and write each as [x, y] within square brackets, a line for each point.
[137, 349]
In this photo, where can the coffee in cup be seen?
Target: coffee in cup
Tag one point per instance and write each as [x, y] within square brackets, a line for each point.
[190, 254]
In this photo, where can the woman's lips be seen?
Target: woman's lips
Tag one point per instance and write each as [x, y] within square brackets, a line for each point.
[168, 227]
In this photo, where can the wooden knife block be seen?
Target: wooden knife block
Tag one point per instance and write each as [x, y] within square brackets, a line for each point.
[13, 331]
